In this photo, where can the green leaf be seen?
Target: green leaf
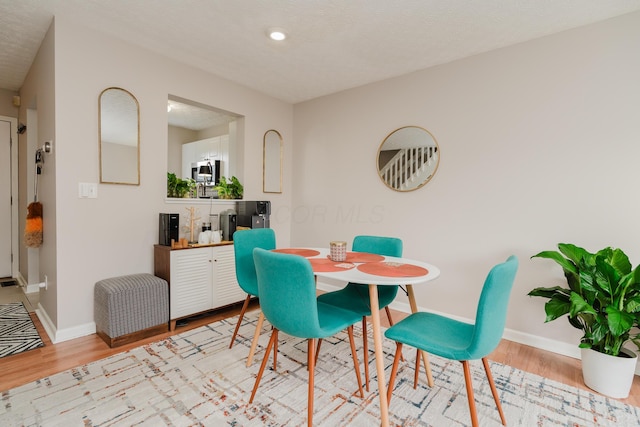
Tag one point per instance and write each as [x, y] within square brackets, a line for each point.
[573, 252]
[549, 292]
[619, 322]
[566, 264]
[556, 307]
[620, 261]
[579, 305]
[633, 304]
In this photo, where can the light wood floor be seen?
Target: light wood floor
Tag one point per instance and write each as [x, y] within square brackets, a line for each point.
[50, 359]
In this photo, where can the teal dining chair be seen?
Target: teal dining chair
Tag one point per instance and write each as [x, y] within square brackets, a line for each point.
[456, 340]
[287, 289]
[356, 296]
[244, 242]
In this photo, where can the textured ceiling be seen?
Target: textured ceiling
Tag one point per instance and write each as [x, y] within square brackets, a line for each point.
[333, 44]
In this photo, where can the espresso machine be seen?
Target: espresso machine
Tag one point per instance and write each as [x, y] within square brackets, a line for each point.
[228, 223]
[253, 214]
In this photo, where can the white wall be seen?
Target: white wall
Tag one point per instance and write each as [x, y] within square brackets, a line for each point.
[539, 145]
[38, 112]
[114, 234]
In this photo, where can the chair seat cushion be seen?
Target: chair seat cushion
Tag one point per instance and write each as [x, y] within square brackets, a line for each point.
[434, 334]
[355, 297]
[335, 319]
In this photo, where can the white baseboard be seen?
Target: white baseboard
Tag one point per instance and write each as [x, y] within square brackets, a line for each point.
[32, 288]
[59, 335]
[553, 346]
[26, 287]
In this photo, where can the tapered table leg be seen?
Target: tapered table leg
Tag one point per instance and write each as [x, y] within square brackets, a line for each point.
[425, 358]
[377, 343]
[254, 342]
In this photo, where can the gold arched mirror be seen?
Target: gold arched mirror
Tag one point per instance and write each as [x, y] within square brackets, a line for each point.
[408, 158]
[119, 137]
[272, 162]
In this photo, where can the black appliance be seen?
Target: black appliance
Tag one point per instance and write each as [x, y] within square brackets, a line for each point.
[169, 228]
[228, 222]
[254, 214]
[214, 179]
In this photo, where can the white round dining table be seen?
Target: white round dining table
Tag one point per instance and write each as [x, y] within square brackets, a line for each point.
[426, 273]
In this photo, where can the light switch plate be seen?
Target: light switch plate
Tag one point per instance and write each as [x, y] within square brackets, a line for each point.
[87, 190]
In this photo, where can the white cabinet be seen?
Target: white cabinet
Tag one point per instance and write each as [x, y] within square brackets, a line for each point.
[215, 148]
[200, 279]
[190, 284]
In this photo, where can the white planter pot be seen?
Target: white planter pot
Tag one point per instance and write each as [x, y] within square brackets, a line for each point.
[608, 375]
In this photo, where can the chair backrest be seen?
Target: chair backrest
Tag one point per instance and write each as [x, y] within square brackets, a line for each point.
[288, 293]
[388, 246]
[492, 308]
[244, 242]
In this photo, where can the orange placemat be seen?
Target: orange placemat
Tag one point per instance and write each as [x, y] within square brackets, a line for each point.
[322, 265]
[298, 251]
[363, 257]
[392, 269]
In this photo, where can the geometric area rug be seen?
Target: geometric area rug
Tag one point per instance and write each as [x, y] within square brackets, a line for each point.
[17, 331]
[193, 378]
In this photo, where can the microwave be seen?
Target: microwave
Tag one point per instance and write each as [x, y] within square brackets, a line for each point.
[215, 172]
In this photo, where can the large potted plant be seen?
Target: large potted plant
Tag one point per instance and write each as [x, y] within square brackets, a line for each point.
[603, 300]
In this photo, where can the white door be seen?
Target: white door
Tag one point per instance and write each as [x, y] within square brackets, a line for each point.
[5, 198]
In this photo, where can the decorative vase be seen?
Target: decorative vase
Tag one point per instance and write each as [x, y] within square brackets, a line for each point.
[609, 375]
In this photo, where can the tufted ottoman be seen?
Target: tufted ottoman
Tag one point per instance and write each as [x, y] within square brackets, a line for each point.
[129, 308]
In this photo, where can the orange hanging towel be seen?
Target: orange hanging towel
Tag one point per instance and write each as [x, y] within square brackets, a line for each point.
[33, 228]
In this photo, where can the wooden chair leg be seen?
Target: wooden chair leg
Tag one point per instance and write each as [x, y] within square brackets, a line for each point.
[356, 364]
[389, 315]
[244, 308]
[365, 347]
[275, 351]
[494, 391]
[469, 383]
[254, 343]
[394, 371]
[318, 349]
[311, 362]
[388, 311]
[416, 373]
[274, 338]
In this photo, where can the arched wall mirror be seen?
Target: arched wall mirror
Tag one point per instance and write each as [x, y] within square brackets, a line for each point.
[272, 162]
[408, 158]
[119, 137]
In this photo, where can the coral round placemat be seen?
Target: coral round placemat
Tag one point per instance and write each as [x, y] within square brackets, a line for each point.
[363, 257]
[392, 269]
[298, 251]
[322, 265]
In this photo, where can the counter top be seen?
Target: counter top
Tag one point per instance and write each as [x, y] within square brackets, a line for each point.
[196, 245]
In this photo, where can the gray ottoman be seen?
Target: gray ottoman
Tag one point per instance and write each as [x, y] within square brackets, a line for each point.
[129, 308]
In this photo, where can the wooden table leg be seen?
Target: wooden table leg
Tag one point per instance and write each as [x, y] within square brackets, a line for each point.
[254, 342]
[377, 343]
[425, 358]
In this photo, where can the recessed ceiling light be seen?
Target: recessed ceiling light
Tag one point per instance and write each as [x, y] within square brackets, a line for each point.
[277, 34]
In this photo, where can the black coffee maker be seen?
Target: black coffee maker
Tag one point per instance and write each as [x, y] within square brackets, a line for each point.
[254, 214]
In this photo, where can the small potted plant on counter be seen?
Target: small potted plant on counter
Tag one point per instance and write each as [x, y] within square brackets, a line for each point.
[229, 189]
[178, 187]
[602, 298]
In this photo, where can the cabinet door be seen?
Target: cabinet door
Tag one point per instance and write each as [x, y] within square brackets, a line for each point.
[188, 156]
[224, 155]
[191, 276]
[225, 285]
